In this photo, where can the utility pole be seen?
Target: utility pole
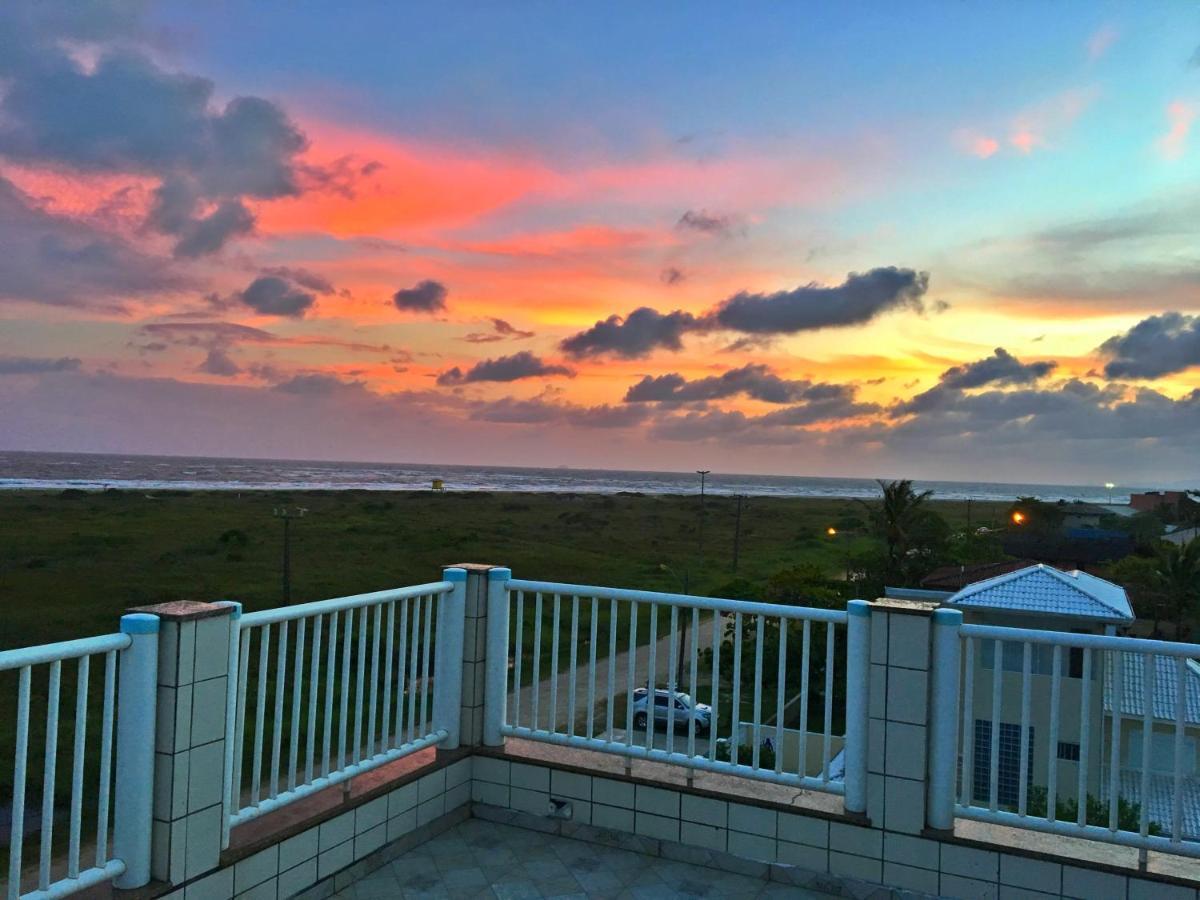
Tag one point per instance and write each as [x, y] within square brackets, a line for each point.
[737, 532]
[702, 473]
[282, 512]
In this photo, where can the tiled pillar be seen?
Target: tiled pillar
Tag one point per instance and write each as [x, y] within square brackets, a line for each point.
[897, 749]
[474, 653]
[189, 757]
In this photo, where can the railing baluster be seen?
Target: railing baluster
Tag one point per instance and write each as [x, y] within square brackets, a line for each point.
[554, 667]
[280, 687]
[780, 690]
[519, 641]
[695, 632]
[536, 684]
[1149, 679]
[1085, 733]
[81, 697]
[574, 662]
[385, 721]
[17, 827]
[672, 668]
[994, 751]
[1023, 739]
[401, 669]
[1052, 749]
[612, 670]
[430, 609]
[314, 679]
[631, 653]
[414, 655]
[967, 788]
[260, 712]
[715, 686]
[805, 656]
[1181, 676]
[735, 736]
[826, 744]
[48, 775]
[652, 676]
[106, 740]
[360, 677]
[759, 627]
[591, 696]
[373, 703]
[1117, 660]
[344, 693]
[239, 719]
[297, 692]
[330, 670]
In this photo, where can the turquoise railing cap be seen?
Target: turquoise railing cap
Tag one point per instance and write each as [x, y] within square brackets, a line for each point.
[139, 623]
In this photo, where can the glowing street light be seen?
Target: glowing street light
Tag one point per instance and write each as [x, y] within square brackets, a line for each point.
[831, 531]
[1018, 517]
[1110, 486]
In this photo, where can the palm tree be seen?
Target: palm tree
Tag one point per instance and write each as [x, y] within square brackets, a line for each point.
[896, 518]
[1178, 574]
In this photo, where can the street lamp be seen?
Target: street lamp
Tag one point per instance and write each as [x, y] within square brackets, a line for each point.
[1110, 486]
[282, 512]
[1018, 517]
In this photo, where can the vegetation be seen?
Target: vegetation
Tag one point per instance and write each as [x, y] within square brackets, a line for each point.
[1178, 575]
[1129, 814]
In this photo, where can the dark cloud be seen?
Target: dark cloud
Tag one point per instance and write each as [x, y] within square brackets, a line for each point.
[860, 298]
[319, 384]
[69, 262]
[753, 380]
[538, 411]
[672, 275]
[505, 368]
[501, 330]
[1154, 347]
[303, 277]
[37, 365]
[706, 222]
[270, 295]
[427, 296]
[126, 115]
[206, 334]
[999, 368]
[640, 333]
[219, 362]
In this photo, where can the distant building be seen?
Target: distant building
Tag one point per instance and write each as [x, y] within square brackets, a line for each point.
[1082, 515]
[955, 578]
[1151, 501]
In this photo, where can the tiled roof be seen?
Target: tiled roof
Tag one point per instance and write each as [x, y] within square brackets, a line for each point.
[1045, 589]
[1161, 799]
[1165, 688]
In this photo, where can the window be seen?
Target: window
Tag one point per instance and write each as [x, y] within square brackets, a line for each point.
[1007, 777]
[1068, 751]
[1162, 751]
[660, 700]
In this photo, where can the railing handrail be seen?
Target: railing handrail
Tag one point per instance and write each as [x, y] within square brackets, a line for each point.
[691, 601]
[1092, 641]
[339, 604]
[62, 650]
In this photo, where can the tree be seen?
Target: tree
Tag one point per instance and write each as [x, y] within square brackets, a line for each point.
[1179, 576]
[1139, 576]
[902, 521]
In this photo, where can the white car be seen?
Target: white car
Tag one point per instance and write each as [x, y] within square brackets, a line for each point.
[685, 708]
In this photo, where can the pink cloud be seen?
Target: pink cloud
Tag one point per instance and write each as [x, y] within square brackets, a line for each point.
[1180, 116]
[1100, 41]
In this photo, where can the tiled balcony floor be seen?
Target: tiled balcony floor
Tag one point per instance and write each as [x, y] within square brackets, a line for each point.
[481, 859]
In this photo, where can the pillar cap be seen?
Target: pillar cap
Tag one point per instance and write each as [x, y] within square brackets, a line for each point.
[184, 610]
[139, 623]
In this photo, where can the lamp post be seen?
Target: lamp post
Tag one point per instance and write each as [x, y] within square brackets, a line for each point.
[1110, 486]
[684, 629]
[282, 512]
[703, 473]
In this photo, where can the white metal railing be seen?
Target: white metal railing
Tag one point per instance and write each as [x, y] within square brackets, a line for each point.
[359, 671]
[127, 858]
[998, 690]
[610, 655]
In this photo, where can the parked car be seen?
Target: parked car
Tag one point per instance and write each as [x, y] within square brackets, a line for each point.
[685, 709]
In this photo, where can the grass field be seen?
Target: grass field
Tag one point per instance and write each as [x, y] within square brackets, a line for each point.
[71, 562]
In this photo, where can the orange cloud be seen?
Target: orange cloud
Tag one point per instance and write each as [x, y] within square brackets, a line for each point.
[1179, 116]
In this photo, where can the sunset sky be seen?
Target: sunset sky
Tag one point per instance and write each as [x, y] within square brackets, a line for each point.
[937, 240]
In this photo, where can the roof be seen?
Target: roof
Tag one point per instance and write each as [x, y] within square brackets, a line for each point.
[953, 578]
[1166, 688]
[1046, 590]
[1182, 535]
[1161, 805]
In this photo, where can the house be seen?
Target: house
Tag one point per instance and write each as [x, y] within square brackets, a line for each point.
[1154, 501]
[1043, 597]
[1078, 515]
[955, 578]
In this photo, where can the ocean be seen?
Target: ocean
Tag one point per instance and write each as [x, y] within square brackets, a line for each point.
[57, 471]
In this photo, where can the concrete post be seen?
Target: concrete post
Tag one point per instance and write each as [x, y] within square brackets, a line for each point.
[944, 715]
[189, 737]
[474, 654]
[496, 663]
[448, 662]
[858, 652]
